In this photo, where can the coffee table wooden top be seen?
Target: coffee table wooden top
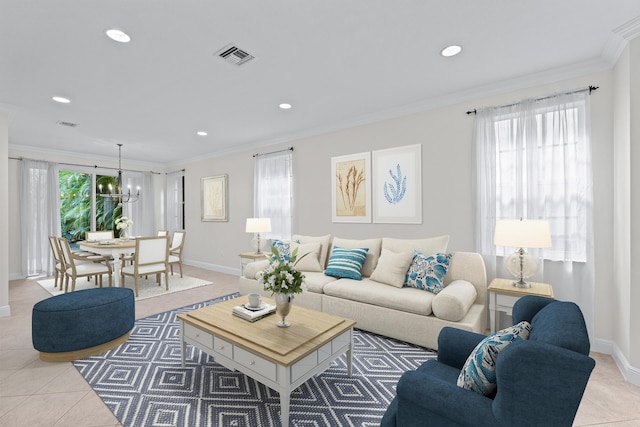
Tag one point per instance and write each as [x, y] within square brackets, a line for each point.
[309, 330]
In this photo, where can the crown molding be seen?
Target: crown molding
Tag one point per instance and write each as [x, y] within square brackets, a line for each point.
[629, 30]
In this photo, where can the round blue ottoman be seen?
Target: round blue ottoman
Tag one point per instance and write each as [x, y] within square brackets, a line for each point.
[83, 323]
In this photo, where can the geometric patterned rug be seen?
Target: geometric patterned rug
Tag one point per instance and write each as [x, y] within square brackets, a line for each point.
[143, 383]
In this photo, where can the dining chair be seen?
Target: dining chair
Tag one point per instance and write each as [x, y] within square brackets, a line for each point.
[151, 257]
[95, 236]
[59, 270]
[163, 232]
[75, 267]
[175, 253]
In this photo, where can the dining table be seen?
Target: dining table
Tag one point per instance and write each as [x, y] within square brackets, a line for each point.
[116, 248]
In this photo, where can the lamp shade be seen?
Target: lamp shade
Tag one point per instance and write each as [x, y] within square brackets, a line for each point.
[258, 225]
[524, 233]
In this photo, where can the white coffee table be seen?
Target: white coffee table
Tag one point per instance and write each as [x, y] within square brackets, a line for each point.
[280, 358]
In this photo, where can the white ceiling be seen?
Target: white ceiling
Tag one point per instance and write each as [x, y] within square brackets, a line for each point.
[339, 62]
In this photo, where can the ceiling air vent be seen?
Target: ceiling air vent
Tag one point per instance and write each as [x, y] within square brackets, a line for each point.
[69, 124]
[235, 55]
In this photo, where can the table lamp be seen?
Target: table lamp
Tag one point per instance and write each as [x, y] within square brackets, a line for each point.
[257, 226]
[521, 234]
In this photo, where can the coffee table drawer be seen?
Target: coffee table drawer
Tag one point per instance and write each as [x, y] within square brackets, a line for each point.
[198, 335]
[257, 364]
[223, 347]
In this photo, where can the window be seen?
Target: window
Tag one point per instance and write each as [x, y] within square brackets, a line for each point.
[80, 209]
[273, 192]
[175, 201]
[534, 162]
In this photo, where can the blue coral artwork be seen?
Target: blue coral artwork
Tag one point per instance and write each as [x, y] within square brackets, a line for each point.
[394, 192]
[397, 185]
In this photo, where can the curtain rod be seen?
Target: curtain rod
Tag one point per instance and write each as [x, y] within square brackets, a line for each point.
[273, 152]
[590, 89]
[85, 166]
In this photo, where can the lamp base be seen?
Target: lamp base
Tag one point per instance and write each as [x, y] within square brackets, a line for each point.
[521, 284]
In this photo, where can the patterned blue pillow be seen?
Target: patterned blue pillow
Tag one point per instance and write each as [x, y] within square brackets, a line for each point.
[346, 263]
[283, 248]
[479, 371]
[427, 272]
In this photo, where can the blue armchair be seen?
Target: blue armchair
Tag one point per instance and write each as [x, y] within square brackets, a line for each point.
[540, 381]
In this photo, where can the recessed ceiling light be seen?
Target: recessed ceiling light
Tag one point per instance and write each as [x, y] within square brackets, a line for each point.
[202, 133]
[285, 106]
[61, 99]
[452, 50]
[118, 35]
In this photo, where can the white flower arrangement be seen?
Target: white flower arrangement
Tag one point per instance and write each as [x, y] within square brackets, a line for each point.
[281, 277]
[123, 223]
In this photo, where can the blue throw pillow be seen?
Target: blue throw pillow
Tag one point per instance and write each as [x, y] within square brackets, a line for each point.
[284, 249]
[346, 263]
[479, 371]
[427, 272]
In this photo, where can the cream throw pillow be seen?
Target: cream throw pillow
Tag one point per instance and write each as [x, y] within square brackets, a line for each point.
[454, 301]
[392, 267]
[311, 262]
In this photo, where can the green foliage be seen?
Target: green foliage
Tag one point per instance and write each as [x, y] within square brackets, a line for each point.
[75, 205]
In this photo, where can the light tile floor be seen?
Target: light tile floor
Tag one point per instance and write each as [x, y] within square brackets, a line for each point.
[35, 393]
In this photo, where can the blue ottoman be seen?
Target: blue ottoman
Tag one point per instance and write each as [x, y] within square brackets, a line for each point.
[83, 323]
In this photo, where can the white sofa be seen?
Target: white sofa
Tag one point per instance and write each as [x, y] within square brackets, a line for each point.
[405, 313]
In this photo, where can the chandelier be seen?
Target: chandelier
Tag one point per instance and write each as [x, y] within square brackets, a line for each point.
[117, 194]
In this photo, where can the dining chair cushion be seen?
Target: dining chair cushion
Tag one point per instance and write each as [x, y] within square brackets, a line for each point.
[144, 269]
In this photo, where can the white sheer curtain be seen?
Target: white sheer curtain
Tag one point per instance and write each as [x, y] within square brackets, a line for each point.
[175, 201]
[273, 192]
[142, 212]
[533, 161]
[39, 215]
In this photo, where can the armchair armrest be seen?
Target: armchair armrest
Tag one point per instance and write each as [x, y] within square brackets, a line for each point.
[423, 397]
[455, 346]
[533, 375]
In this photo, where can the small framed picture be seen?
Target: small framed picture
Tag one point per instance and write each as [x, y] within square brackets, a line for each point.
[214, 198]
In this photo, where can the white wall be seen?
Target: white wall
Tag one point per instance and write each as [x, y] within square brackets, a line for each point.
[4, 215]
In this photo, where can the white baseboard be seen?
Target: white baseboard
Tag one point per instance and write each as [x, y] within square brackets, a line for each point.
[213, 267]
[630, 373]
[16, 276]
[5, 311]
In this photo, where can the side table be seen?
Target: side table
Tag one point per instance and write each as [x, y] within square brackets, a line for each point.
[503, 295]
[247, 257]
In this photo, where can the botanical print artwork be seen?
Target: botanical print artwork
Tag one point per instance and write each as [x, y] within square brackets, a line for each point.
[214, 198]
[397, 185]
[394, 192]
[350, 179]
[351, 188]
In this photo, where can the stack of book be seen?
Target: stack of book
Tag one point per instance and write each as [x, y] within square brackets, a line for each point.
[252, 314]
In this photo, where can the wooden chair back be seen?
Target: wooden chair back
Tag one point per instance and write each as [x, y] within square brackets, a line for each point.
[99, 235]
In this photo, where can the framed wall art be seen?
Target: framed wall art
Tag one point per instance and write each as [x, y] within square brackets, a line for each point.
[350, 188]
[214, 198]
[397, 185]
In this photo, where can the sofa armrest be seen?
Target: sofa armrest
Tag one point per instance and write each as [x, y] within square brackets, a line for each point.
[455, 346]
[423, 397]
[532, 375]
[252, 268]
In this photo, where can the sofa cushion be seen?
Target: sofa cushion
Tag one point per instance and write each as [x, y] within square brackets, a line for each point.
[310, 262]
[392, 267]
[370, 292]
[479, 371]
[426, 246]
[315, 281]
[373, 254]
[283, 248]
[454, 301]
[325, 241]
[346, 263]
[427, 271]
